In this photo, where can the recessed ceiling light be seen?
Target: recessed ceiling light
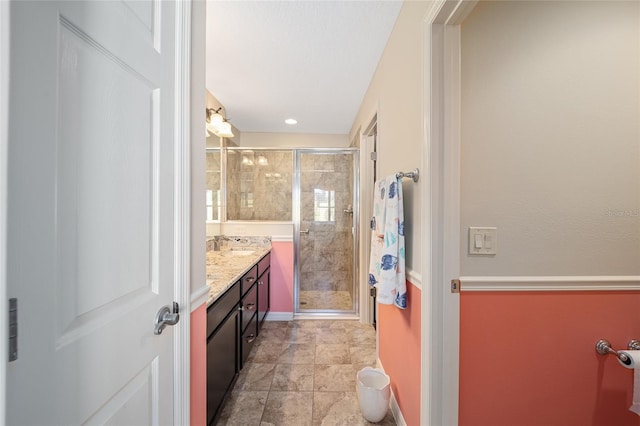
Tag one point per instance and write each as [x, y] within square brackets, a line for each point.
[291, 121]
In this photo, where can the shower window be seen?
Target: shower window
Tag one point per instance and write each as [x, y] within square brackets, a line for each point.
[259, 184]
[324, 205]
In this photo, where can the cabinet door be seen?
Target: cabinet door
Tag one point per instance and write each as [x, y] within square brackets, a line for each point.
[222, 367]
[247, 339]
[264, 284]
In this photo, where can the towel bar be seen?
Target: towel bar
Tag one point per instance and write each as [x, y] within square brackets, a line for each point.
[603, 347]
[414, 174]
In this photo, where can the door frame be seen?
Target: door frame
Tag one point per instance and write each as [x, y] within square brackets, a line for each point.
[367, 307]
[4, 143]
[182, 214]
[440, 319]
[182, 203]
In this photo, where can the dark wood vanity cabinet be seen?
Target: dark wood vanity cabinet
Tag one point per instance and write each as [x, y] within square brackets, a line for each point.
[223, 349]
[233, 323]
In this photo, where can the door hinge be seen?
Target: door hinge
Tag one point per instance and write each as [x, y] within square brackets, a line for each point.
[455, 286]
[372, 292]
[13, 329]
[374, 156]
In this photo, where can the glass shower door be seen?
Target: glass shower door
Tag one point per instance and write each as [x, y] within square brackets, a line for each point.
[326, 242]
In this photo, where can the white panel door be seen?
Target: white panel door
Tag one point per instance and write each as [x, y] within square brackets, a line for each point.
[90, 211]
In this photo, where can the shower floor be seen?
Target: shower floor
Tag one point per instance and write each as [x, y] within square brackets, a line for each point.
[326, 300]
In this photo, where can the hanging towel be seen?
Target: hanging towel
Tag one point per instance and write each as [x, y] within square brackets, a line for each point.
[386, 267]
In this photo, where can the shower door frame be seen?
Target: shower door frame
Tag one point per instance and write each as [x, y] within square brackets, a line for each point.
[297, 212]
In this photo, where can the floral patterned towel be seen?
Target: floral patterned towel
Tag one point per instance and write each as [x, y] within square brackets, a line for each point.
[386, 267]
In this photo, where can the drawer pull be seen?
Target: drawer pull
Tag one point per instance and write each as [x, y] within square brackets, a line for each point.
[248, 307]
[250, 279]
[250, 338]
[260, 282]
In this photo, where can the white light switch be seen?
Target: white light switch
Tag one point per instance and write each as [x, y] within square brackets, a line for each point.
[477, 241]
[483, 240]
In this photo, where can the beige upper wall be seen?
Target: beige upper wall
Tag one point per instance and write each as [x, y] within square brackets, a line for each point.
[396, 95]
[294, 140]
[551, 137]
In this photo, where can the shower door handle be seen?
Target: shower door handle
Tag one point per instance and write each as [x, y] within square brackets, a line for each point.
[306, 231]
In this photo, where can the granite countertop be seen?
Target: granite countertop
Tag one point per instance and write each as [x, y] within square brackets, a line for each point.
[227, 265]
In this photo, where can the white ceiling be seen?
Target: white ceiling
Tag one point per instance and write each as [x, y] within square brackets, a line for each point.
[309, 60]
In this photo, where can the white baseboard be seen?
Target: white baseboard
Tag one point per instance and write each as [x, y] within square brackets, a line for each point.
[395, 410]
[393, 403]
[279, 316]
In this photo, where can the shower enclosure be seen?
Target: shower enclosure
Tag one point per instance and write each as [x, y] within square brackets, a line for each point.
[325, 225]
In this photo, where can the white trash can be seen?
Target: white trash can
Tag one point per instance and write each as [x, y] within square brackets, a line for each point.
[373, 393]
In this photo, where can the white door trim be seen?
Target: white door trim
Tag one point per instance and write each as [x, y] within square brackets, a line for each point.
[4, 143]
[365, 209]
[440, 211]
[182, 213]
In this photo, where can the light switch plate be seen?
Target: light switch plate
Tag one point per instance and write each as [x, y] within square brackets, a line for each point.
[483, 240]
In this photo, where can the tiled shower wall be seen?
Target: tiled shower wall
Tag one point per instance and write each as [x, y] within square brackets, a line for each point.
[326, 252]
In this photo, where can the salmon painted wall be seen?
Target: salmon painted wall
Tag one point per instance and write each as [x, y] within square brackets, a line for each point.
[399, 343]
[198, 359]
[281, 277]
[528, 358]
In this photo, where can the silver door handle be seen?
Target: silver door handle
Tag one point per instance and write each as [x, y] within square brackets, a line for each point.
[306, 231]
[165, 317]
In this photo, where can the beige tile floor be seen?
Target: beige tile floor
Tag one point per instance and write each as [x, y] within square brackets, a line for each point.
[326, 299]
[301, 373]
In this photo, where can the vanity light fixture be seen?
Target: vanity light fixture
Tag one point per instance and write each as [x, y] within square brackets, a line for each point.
[246, 161]
[217, 124]
[262, 160]
[224, 131]
[291, 121]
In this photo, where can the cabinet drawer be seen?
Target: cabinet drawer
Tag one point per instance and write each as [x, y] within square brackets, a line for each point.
[217, 312]
[248, 339]
[264, 264]
[249, 279]
[249, 306]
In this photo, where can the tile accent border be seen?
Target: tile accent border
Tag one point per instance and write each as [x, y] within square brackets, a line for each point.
[551, 283]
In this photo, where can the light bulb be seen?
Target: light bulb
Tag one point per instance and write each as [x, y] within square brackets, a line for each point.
[224, 130]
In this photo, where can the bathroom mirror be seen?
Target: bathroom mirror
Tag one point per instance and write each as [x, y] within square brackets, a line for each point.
[213, 183]
[259, 184]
